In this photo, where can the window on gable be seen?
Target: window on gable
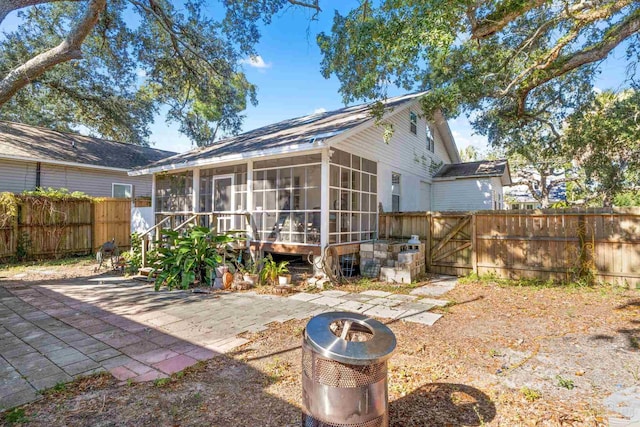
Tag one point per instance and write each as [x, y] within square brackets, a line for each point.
[395, 192]
[431, 146]
[121, 191]
[413, 123]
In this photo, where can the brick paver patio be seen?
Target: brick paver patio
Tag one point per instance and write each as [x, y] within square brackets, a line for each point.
[54, 331]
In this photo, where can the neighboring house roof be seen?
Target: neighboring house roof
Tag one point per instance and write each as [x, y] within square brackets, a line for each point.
[520, 193]
[479, 169]
[31, 143]
[293, 135]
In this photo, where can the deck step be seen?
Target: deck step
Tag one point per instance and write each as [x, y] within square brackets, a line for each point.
[146, 271]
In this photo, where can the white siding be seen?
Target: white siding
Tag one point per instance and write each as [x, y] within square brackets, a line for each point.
[403, 154]
[94, 182]
[469, 194]
[17, 176]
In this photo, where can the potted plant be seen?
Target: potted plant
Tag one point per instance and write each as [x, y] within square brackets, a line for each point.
[250, 272]
[275, 272]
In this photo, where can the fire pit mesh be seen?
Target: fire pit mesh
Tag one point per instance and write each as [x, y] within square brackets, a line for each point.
[336, 374]
[311, 422]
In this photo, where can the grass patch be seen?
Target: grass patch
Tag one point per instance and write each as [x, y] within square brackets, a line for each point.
[16, 416]
[24, 265]
[536, 284]
[360, 284]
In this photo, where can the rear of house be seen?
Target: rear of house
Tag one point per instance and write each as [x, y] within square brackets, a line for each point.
[32, 157]
[309, 182]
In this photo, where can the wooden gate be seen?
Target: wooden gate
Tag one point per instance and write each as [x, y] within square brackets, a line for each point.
[451, 244]
[112, 220]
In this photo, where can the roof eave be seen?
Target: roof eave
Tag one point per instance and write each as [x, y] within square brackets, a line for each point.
[451, 178]
[60, 162]
[298, 148]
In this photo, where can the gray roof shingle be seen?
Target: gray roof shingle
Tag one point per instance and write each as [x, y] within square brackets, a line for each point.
[469, 169]
[25, 141]
[288, 132]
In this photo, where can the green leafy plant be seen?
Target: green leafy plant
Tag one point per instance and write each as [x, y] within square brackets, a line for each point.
[565, 382]
[57, 194]
[188, 258]
[272, 269]
[530, 394]
[134, 256]
[16, 416]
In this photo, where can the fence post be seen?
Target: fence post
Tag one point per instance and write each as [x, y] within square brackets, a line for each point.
[474, 244]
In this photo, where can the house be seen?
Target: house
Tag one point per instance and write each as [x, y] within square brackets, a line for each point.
[311, 181]
[520, 194]
[32, 157]
[471, 186]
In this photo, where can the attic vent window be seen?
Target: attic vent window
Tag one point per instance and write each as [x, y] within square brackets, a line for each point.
[413, 123]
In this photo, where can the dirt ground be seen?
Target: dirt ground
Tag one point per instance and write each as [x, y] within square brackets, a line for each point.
[500, 356]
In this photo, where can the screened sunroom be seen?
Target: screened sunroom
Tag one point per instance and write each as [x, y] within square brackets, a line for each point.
[283, 197]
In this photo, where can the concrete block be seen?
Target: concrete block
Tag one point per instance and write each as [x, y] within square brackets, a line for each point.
[408, 256]
[391, 263]
[366, 247]
[381, 247]
[366, 254]
[380, 254]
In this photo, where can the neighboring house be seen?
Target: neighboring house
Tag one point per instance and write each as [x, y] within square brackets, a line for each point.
[519, 195]
[32, 157]
[310, 181]
[471, 186]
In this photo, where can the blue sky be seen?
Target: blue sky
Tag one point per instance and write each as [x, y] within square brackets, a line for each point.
[289, 82]
[287, 75]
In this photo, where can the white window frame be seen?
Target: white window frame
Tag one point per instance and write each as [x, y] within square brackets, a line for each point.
[431, 145]
[307, 211]
[345, 237]
[113, 187]
[396, 191]
[413, 123]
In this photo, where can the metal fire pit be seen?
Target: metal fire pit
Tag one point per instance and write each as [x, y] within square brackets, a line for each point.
[344, 371]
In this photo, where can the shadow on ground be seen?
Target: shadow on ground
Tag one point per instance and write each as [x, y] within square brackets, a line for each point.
[442, 404]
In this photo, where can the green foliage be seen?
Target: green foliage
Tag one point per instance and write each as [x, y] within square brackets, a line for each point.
[530, 394]
[189, 257]
[140, 57]
[565, 382]
[627, 198]
[23, 247]
[8, 208]
[605, 139]
[16, 416]
[504, 60]
[57, 194]
[469, 154]
[134, 255]
[271, 270]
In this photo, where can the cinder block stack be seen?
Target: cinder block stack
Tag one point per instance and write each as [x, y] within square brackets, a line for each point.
[399, 262]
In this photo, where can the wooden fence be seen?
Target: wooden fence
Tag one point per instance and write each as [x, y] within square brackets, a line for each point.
[39, 227]
[561, 245]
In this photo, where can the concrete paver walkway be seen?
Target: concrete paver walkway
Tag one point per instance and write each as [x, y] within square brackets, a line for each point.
[55, 331]
[377, 304]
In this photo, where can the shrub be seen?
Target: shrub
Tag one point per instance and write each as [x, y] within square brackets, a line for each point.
[189, 258]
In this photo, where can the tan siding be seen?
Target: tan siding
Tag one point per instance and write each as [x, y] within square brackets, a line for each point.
[17, 176]
[403, 154]
[94, 182]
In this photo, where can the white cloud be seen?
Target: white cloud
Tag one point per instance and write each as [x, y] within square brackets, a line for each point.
[319, 110]
[256, 62]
